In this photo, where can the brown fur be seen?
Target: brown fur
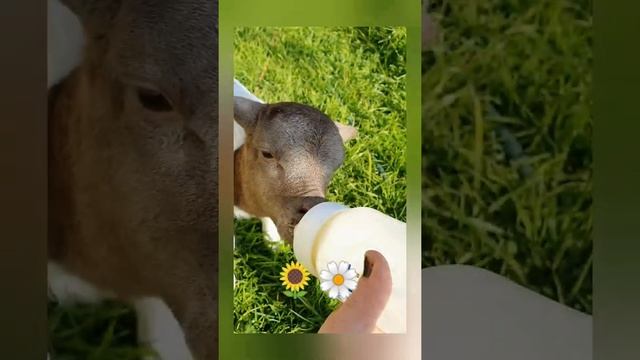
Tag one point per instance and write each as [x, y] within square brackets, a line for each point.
[133, 192]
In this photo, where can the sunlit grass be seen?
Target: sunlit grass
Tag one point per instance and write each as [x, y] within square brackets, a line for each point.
[356, 76]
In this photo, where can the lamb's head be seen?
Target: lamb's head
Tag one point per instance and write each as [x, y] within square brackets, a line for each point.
[289, 156]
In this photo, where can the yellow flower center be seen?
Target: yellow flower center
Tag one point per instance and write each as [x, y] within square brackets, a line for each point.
[338, 279]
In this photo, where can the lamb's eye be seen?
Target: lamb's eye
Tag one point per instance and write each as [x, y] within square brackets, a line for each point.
[267, 155]
[153, 100]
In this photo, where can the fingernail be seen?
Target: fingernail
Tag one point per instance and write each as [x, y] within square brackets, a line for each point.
[367, 267]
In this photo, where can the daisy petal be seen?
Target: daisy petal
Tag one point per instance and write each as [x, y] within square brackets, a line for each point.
[344, 292]
[350, 274]
[350, 284]
[344, 266]
[325, 275]
[333, 267]
[333, 293]
[326, 285]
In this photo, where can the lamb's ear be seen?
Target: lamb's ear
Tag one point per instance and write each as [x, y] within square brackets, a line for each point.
[347, 132]
[246, 111]
[95, 15]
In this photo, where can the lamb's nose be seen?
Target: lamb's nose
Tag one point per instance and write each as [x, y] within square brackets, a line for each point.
[309, 202]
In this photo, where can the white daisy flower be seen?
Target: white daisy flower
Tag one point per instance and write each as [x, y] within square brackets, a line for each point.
[339, 280]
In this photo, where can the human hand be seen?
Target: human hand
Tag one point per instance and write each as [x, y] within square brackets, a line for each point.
[360, 312]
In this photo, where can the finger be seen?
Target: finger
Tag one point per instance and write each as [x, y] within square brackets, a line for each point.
[361, 310]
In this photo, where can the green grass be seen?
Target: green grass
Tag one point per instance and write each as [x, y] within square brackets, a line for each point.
[357, 77]
[522, 68]
[106, 332]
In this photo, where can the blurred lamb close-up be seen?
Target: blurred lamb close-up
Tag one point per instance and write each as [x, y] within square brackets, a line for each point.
[133, 164]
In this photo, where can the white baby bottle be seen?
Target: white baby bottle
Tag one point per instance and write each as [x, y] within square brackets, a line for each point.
[330, 235]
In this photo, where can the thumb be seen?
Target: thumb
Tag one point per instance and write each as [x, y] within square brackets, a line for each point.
[361, 310]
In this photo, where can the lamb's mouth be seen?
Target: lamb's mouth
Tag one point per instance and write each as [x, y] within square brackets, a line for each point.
[286, 231]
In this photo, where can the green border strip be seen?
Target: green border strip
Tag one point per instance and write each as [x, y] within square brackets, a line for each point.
[616, 267]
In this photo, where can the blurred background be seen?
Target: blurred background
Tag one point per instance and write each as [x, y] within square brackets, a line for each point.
[507, 130]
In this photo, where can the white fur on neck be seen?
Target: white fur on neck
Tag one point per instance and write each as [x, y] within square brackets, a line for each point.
[159, 329]
[68, 289]
[65, 41]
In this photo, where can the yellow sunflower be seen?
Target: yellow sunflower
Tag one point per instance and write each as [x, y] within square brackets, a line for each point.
[294, 276]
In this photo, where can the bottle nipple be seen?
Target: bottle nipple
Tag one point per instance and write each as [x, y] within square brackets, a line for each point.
[304, 234]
